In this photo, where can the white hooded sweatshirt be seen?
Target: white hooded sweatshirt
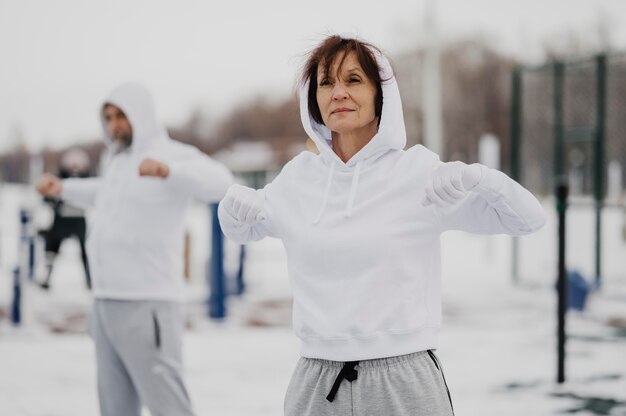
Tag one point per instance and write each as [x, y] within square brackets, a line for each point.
[136, 228]
[363, 252]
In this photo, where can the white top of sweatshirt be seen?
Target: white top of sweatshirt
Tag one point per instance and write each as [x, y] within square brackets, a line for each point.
[363, 253]
[135, 233]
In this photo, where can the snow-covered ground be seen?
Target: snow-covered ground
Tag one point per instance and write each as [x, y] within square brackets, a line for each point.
[498, 345]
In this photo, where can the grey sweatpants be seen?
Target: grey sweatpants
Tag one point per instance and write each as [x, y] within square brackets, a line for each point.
[407, 385]
[139, 357]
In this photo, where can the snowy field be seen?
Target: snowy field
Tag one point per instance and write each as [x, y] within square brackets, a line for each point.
[498, 344]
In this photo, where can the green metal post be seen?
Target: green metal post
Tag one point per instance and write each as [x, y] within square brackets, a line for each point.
[559, 74]
[599, 159]
[561, 197]
[561, 192]
[516, 144]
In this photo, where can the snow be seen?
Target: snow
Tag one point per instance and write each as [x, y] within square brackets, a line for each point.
[498, 344]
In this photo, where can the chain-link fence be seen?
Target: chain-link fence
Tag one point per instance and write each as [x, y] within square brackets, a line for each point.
[616, 122]
[569, 124]
[569, 119]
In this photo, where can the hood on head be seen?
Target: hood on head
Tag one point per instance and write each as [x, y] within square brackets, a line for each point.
[391, 131]
[138, 105]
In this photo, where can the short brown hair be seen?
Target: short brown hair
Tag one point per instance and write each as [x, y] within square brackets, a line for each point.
[326, 53]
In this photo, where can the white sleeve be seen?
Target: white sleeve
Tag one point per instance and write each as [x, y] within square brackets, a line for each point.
[273, 196]
[200, 176]
[242, 232]
[497, 205]
[80, 192]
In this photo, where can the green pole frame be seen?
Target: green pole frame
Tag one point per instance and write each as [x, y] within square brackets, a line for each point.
[561, 195]
[516, 144]
[559, 75]
[599, 159]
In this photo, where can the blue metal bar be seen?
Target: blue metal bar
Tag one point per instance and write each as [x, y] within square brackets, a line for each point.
[16, 306]
[217, 281]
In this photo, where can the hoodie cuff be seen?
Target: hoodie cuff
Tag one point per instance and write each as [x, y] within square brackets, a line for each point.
[472, 176]
[69, 189]
[178, 176]
[491, 183]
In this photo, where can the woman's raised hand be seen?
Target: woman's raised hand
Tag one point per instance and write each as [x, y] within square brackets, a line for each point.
[243, 204]
[450, 182]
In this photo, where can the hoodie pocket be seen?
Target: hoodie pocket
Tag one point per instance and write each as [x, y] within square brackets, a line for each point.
[435, 360]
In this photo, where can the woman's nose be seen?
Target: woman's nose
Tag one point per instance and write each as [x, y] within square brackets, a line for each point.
[339, 92]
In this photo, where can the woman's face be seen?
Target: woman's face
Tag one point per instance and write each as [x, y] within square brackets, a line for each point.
[346, 99]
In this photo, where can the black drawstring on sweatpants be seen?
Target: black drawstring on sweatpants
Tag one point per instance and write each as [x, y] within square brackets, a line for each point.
[348, 372]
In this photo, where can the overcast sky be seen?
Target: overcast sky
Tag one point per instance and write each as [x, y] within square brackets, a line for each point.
[59, 58]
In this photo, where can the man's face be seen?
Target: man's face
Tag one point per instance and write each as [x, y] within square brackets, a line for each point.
[117, 125]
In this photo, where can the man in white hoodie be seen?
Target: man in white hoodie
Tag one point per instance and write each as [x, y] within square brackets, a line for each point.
[361, 223]
[135, 247]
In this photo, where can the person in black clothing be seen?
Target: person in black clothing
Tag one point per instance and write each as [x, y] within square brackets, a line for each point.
[69, 221]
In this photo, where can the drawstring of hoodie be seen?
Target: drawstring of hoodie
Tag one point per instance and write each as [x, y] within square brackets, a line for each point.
[353, 188]
[351, 196]
[326, 192]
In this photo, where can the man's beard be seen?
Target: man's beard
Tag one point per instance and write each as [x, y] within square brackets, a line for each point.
[121, 143]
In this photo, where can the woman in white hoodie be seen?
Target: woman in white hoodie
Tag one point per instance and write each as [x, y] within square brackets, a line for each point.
[361, 223]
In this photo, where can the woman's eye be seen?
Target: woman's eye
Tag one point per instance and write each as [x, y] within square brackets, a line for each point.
[325, 82]
[354, 80]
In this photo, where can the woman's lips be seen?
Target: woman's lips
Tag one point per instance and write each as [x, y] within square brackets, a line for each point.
[341, 110]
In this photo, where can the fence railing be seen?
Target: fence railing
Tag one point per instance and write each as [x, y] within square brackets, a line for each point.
[567, 121]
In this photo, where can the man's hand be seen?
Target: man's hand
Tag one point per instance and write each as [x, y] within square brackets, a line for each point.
[243, 204]
[151, 167]
[450, 183]
[49, 185]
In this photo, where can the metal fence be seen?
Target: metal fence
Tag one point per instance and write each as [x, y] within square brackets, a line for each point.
[568, 122]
